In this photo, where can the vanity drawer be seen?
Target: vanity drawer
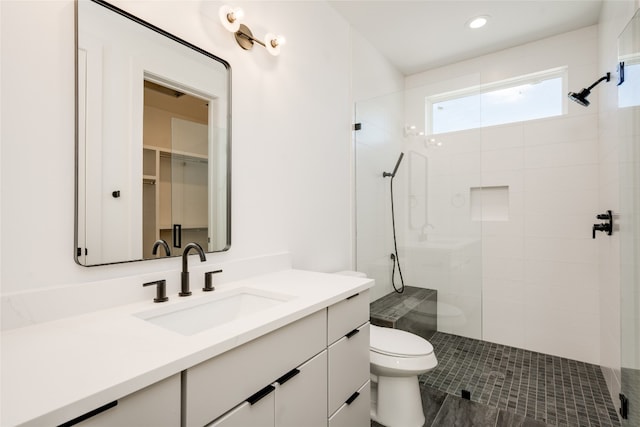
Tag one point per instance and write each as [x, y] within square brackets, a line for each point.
[357, 412]
[259, 414]
[156, 405]
[348, 366]
[301, 401]
[217, 385]
[347, 315]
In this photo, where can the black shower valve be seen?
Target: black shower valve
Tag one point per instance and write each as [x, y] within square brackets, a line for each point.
[605, 226]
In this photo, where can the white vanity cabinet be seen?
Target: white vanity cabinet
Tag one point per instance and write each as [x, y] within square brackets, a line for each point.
[218, 385]
[157, 405]
[348, 369]
[301, 400]
[311, 373]
[297, 399]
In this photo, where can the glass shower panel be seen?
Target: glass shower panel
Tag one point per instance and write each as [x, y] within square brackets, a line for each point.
[444, 253]
[377, 146]
[439, 242]
[629, 121]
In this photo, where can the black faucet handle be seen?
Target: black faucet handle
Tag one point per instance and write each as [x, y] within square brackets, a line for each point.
[208, 280]
[161, 290]
[607, 227]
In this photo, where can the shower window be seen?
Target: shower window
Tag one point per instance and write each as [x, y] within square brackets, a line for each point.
[529, 97]
[629, 91]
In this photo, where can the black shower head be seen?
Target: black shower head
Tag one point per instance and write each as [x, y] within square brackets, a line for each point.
[581, 97]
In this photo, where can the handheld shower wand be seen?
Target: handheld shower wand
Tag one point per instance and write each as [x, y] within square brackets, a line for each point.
[393, 174]
[394, 256]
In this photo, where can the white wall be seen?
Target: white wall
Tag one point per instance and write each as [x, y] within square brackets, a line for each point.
[616, 141]
[291, 149]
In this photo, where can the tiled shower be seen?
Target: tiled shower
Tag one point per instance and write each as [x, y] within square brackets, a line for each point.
[497, 220]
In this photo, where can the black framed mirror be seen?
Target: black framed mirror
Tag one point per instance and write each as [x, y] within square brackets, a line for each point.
[153, 140]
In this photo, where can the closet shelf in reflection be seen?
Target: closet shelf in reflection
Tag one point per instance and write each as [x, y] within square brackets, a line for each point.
[178, 154]
[194, 227]
[178, 196]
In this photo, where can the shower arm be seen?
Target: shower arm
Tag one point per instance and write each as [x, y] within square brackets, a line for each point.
[607, 78]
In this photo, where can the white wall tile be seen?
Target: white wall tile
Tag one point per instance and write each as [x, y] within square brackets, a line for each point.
[511, 333]
[582, 152]
[558, 273]
[502, 268]
[503, 247]
[559, 249]
[504, 159]
[551, 202]
[581, 177]
[561, 226]
[511, 290]
[567, 128]
[562, 333]
[503, 136]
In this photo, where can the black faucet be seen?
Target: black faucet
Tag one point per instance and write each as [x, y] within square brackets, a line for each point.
[162, 243]
[184, 289]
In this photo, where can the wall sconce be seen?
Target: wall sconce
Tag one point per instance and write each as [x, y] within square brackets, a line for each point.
[231, 20]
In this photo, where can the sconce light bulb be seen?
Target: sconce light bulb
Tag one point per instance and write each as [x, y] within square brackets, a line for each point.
[237, 15]
[273, 43]
[230, 17]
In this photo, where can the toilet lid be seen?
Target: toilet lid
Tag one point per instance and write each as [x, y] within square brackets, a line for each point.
[394, 342]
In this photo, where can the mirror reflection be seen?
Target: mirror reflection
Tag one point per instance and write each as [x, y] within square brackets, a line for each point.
[153, 142]
[175, 169]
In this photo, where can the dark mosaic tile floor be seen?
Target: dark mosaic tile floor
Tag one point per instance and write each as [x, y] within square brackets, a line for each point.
[514, 387]
[446, 410]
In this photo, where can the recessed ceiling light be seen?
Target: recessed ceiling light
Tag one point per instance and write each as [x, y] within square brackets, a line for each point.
[477, 22]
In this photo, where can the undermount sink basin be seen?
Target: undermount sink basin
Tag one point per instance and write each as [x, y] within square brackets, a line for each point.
[196, 316]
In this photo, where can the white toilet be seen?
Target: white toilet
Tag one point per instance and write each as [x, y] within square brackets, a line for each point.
[396, 359]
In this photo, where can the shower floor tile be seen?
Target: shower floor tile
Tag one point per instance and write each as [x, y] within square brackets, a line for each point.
[446, 410]
[550, 389]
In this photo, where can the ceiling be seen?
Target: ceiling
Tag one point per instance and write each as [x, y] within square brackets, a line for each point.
[422, 34]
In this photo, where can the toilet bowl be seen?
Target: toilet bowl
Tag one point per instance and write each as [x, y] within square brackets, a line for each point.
[396, 359]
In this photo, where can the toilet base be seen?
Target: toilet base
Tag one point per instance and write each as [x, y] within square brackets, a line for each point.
[396, 402]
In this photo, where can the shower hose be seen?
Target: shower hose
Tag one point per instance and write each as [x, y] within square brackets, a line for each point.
[394, 256]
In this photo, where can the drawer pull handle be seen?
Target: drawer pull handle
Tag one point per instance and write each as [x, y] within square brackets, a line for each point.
[89, 414]
[353, 397]
[255, 398]
[286, 377]
[353, 296]
[352, 333]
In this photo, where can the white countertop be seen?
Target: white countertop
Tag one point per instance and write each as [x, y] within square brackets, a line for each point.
[56, 371]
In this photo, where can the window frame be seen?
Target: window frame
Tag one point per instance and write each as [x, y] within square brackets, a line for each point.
[482, 88]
